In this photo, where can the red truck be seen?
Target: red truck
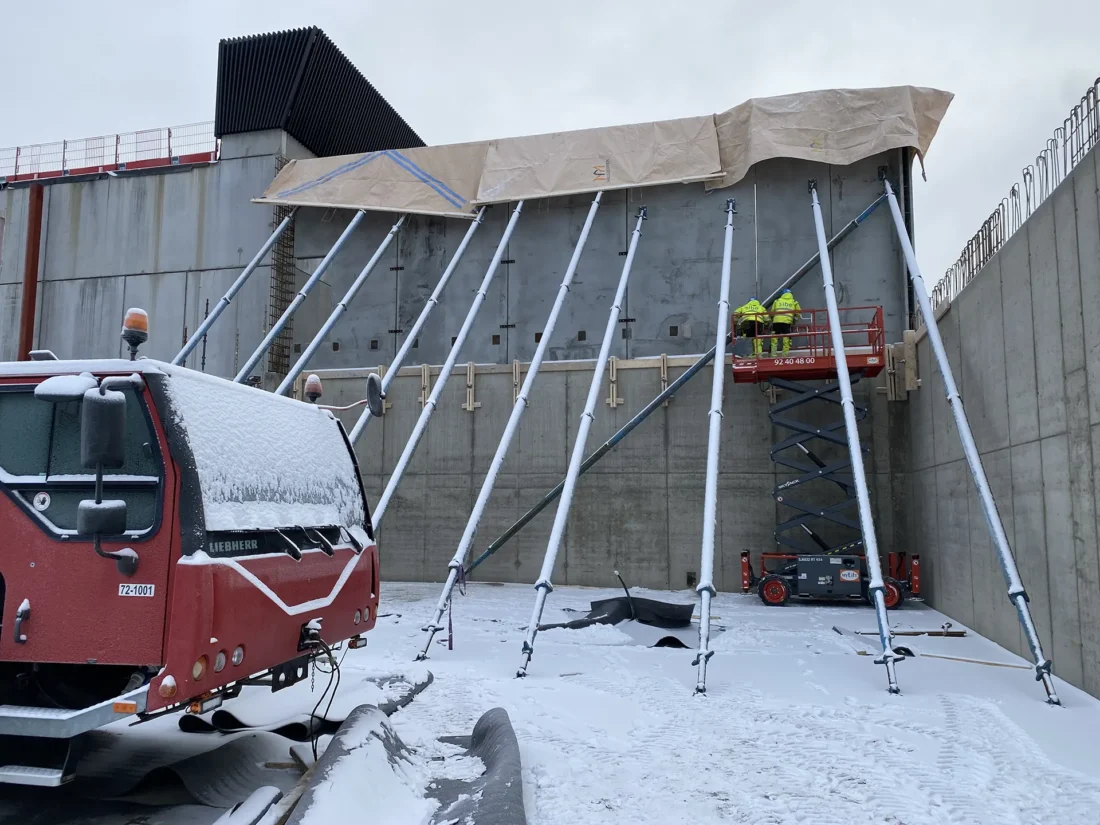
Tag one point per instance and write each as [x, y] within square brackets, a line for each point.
[166, 537]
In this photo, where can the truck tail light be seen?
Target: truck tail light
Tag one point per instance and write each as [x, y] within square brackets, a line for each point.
[198, 670]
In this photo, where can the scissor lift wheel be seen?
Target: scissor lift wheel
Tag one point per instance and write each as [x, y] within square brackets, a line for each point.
[774, 591]
[893, 592]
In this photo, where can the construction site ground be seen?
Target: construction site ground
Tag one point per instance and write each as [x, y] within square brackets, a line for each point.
[796, 727]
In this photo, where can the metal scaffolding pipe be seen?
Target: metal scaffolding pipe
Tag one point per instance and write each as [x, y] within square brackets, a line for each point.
[288, 313]
[399, 359]
[543, 585]
[855, 452]
[1016, 592]
[510, 429]
[714, 443]
[339, 310]
[666, 394]
[204, 327]
[444, 373]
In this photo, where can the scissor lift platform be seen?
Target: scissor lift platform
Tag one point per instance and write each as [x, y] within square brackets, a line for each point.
[811, 356]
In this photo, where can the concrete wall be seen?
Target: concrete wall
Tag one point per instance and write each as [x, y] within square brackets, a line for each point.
[165, 240]
[674, 282]
[1023, 340]
[640, 510]
[169, 241]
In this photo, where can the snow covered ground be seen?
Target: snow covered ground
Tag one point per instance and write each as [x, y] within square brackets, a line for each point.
[796, 726]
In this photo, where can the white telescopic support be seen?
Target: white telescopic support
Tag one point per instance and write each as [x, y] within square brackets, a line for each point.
[284, 319]
[543, 585]
[204, 328]
[444, 373]
[410, 338]
[714, 443]
[855, 452]
[1016, 593]
[509, 432]
[339, 310]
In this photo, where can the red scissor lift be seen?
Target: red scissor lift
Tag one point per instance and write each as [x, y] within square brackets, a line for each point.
[807, 565]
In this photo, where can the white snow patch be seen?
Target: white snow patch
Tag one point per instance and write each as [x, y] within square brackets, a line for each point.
[596, 634]
[795, 727]
[73, 386]
[393, 791]
[264, 461]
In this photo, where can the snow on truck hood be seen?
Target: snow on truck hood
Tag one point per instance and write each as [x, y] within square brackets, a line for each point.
[263, 461]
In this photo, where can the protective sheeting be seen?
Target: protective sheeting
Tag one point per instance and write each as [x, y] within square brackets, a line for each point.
[434, 180]
[836, 126]
[614, 157]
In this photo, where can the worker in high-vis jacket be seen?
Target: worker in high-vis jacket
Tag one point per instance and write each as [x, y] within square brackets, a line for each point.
[784, 311]
[750, 319]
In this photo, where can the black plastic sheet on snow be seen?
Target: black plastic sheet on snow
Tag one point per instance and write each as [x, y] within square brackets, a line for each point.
[299, 81]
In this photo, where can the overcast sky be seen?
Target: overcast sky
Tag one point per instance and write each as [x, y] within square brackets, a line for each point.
[460, 71]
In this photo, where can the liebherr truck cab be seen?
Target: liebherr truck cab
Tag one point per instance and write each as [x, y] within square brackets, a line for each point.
[165, 538]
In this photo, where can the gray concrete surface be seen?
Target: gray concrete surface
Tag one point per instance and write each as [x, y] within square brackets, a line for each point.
[163, 240]
[1023, 339]
[171, 240]
[639, 510]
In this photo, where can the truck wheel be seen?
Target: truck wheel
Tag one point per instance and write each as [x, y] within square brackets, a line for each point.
[774, 590]
[893, 594]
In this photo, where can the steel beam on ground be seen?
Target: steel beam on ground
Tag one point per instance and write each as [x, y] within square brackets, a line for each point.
[1016, 592]
[557, 533]
[863, 498]
[510, 429]
[706, 589]
[666, 394]
[399, 359]
[226, 299]
[303, 293]
[340, 308]
[444, 373]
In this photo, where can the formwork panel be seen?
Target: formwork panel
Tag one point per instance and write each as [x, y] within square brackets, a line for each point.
[81, 319]
[1020, 381]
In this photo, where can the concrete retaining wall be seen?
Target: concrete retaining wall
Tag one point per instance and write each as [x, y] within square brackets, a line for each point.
[169, 241]
[640, 510]
[1024, 344]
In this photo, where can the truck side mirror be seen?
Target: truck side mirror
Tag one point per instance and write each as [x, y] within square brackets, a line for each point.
[101, 518]
[375, 396]
[103, 430]
[103, 444]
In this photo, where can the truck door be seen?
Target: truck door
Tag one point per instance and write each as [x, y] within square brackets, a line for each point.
[81, 608]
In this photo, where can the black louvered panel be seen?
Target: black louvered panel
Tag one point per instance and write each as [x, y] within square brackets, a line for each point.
[301, 82]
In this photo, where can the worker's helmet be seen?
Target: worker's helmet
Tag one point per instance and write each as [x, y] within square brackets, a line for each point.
[786, 292]
[753, 298]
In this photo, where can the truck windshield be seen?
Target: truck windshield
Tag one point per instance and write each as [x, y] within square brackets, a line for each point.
[40, 461]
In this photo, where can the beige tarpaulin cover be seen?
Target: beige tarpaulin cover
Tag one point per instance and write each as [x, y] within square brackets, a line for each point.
[835, 126]
[430, 180]
[614, 157]
[839, 127]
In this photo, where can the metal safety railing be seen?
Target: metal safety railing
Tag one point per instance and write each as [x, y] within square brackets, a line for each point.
[148, 148]
[1071, 141]
[810, 334]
